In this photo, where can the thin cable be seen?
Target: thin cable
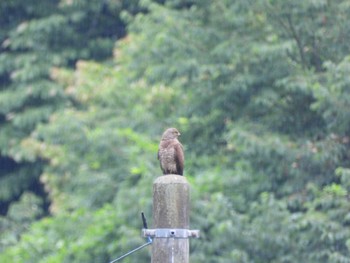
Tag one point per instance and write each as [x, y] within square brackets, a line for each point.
[144, 221]
[132, 251]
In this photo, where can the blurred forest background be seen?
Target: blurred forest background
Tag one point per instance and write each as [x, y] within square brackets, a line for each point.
[260, 91]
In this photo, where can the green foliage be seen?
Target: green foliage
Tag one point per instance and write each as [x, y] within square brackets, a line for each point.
[259, 91]
[332, 96]
[35, 38]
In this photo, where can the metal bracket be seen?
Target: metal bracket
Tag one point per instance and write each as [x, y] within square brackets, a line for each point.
[170, 233]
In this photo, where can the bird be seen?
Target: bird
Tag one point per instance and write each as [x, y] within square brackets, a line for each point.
[170, 153]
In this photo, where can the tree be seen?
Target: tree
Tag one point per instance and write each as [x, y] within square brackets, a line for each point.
[260, 96]
[257, 86]
[37, 37]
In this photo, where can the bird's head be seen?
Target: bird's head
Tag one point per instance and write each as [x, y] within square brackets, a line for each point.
[171, 133]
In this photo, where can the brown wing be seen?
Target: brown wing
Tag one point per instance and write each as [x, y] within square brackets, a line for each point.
[159, 158]
[179, 158]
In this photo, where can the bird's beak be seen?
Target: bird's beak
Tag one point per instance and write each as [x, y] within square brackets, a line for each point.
[179, 134]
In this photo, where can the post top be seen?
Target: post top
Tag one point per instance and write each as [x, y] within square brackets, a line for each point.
[171, 179]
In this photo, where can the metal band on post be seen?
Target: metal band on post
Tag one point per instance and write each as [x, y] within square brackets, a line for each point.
[170, 233]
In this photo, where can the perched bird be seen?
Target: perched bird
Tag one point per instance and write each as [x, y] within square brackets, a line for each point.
[170, 153]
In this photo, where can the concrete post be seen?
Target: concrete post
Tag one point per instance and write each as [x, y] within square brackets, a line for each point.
[171, 198]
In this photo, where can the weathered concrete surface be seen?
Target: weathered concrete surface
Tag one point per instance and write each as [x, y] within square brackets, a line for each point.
[171, 200]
